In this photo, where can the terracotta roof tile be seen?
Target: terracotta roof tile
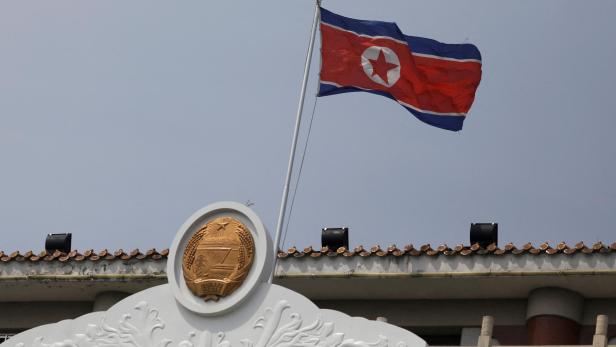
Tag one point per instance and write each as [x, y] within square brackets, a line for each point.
[363, 252]
[134, 254]
[157, 256]
[459, 250]
[414, 252]
[380, 252]
[429, 251]
[397, 252]
[442, 248]
[107, 255]
[294, 252]
[348, 253]
[75, 255]
[599, 247]
[569, 250]
[499, 251]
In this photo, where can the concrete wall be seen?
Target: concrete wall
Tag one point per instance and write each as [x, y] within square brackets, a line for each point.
[428, 295]
[422, 313]
[18, 316]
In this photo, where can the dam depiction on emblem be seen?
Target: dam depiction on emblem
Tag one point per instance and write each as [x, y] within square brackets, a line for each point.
[218, 258]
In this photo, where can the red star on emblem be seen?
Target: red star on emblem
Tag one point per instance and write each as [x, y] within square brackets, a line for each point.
[380, 66]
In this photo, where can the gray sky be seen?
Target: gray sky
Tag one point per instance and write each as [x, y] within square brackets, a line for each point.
[119, 119]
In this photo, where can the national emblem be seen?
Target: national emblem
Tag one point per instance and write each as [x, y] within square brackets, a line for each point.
[217, 258]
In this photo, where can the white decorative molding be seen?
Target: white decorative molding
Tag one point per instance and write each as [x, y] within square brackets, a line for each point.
[137, 322]
[293, 334]
[257, 314]
[132, 330]
[138, 328]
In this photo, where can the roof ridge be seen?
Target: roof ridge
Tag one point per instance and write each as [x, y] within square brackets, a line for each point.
[543, 248]
[89, 254]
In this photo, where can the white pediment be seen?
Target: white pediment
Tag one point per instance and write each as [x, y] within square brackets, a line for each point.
[265, 315]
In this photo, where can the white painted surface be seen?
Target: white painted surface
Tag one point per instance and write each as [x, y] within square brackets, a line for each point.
[77, 281]
[272, 316]
[447, 277]
[441, 264]
[555, 301]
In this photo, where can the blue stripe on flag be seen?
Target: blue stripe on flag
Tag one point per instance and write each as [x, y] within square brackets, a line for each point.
[417, 44]
[456, 51]
[365, 27]
[453, 123]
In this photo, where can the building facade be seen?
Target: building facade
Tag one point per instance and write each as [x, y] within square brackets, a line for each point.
[540, 295]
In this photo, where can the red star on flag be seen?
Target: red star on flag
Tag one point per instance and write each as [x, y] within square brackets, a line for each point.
[380, 67]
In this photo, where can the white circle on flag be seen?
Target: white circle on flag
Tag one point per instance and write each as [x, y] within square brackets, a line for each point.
[371, 56]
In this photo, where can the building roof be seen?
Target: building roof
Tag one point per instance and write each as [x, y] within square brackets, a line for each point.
[376, 250]
[451, 273]
[78, 276]
[460, 272]
[74, 255]
[410, 250]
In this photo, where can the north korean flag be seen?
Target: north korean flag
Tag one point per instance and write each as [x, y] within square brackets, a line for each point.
[436, 82]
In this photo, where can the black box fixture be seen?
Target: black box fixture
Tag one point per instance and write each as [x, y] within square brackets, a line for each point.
[60, 242]
[484, 234]
[335, 238]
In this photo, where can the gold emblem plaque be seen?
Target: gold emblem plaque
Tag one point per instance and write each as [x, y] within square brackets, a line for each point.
[218, 258]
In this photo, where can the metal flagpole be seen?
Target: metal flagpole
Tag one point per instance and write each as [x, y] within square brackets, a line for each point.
[300, 107]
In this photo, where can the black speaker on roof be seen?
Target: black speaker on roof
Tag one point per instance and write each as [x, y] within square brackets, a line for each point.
[484, 234]
[335, 238]
[60, 242]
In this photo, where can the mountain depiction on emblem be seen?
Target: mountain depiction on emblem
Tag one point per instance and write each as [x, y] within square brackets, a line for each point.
[218, 258]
